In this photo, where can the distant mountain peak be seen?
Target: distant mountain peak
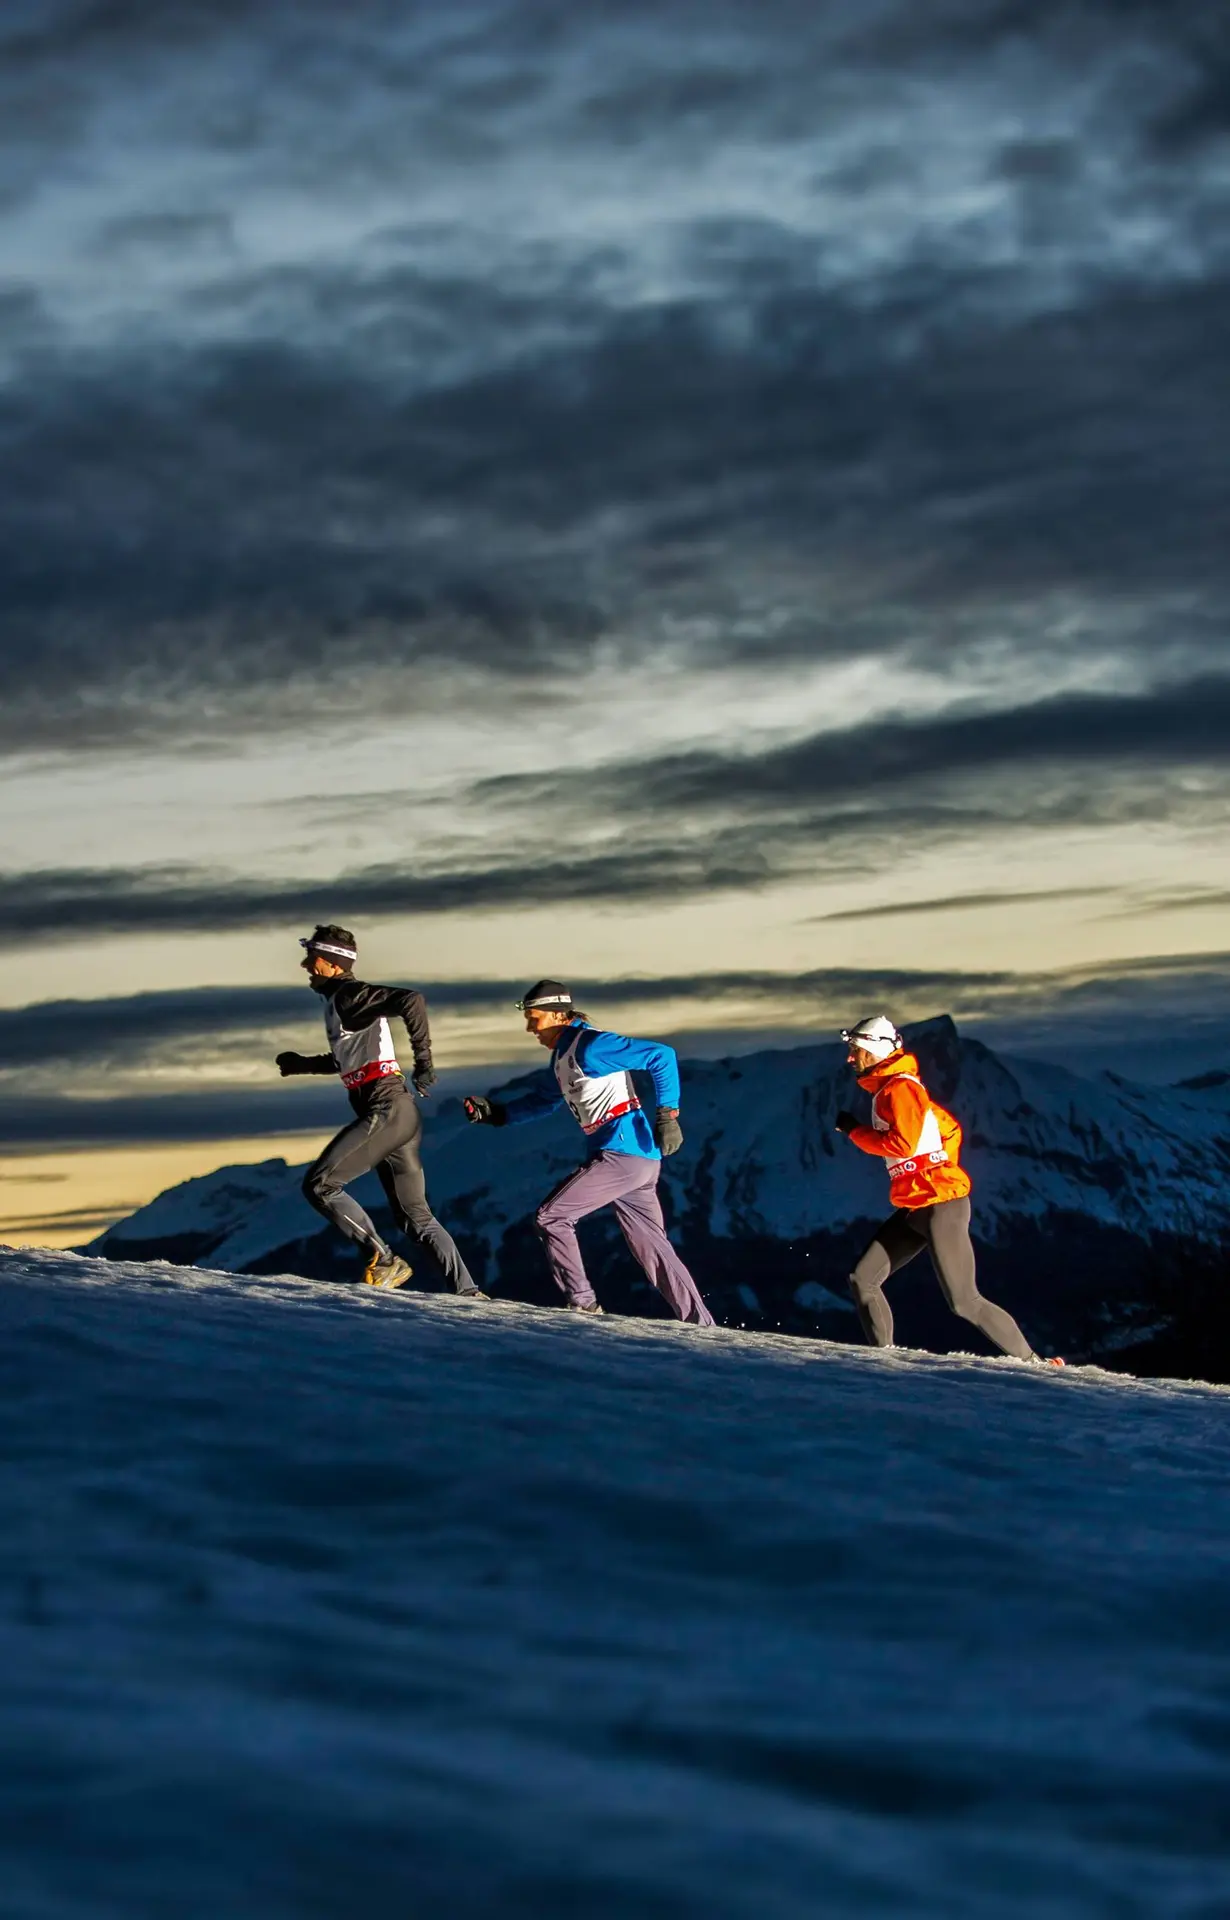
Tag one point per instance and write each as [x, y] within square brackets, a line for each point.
[1060, 1162]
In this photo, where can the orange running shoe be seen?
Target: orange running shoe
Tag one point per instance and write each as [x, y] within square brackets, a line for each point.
[386, 1270]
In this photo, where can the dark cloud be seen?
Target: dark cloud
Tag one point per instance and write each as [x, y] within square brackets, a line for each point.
[804, 808]
[130, 1029]
[1185, 725]
[50, 32]
[136, 1029]
[842, 784]
[296, 489]
[88, 1033]
[31, 1120]
[61, 904]
[965, 31]
[83, 1222]
[1161, 1018]
[962, 902]
[24, 320]
[199, 544]
[155, 233]
[1185, 902]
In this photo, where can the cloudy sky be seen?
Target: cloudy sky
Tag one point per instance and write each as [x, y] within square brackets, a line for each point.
[727, 504]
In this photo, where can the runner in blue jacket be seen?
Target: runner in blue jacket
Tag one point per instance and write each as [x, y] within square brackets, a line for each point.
[590, 1073]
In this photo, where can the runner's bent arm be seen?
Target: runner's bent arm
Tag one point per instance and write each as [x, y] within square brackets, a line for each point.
[360, 1004]
[599, 1052]
[904, 1105]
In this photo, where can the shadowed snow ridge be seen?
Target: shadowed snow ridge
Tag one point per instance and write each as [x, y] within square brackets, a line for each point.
[323, 1604]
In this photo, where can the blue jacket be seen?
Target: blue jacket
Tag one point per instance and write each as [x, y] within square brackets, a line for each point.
[600, 1053]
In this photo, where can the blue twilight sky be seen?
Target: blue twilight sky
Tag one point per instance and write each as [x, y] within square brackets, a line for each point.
[728, 504]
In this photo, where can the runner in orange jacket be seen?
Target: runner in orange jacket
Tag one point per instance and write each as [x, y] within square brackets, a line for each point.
[929, 1188]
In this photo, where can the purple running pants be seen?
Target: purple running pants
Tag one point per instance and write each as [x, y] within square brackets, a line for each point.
[629, 1183]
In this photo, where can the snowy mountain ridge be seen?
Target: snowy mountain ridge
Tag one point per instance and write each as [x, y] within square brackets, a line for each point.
[761, 1159]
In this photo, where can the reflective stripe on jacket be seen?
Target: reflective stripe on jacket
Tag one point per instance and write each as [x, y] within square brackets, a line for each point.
[590, 1071]
[919, 1139]
[357, 1023]
[360, 1055]
[592, 1099]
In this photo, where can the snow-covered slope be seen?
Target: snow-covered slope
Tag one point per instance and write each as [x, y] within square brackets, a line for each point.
[761, 1165]
[321, 1605]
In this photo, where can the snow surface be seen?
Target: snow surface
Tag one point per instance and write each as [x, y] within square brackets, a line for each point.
[326, 1604]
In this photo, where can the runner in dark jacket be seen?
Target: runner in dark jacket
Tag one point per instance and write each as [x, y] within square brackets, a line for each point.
[386, 1131]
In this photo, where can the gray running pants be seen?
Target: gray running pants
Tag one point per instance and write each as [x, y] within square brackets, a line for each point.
[629, 1183]
[385, 1135]
[944, 1230]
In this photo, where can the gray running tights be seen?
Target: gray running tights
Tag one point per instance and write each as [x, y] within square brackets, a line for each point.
[385, 1135]
[944, 1230]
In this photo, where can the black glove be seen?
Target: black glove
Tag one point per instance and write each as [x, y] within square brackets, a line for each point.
[667, 1131]
[483, 1112]
[288, 1063]
[424, 1080]
[845, 1121]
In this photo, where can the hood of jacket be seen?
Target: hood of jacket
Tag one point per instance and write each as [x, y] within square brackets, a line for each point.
[886, 1070]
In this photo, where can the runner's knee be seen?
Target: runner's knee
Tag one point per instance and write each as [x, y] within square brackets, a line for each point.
[869, 1275]
[967, 1304]
[316, 1185]
[861, 1286]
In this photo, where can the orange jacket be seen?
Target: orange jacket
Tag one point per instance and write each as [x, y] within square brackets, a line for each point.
[920, 1140]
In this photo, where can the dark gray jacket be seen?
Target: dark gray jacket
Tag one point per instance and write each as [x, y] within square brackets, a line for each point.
[357, 1018]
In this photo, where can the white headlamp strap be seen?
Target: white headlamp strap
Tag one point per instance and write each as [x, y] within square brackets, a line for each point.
[323, 946]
